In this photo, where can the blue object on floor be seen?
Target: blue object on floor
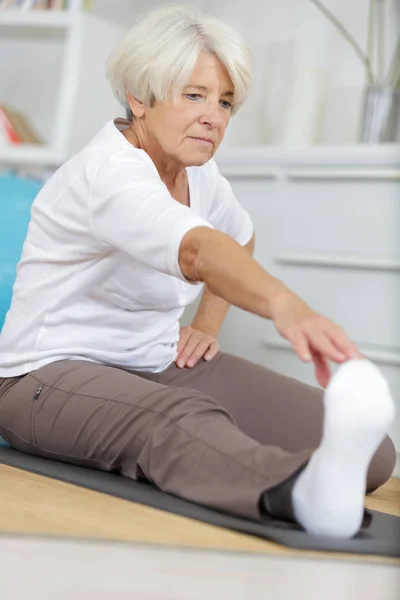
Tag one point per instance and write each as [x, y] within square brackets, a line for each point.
[16, 197]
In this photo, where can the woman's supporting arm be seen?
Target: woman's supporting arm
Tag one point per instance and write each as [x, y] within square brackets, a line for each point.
[212, 309]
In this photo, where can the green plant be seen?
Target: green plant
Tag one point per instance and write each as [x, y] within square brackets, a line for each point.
[373, 58]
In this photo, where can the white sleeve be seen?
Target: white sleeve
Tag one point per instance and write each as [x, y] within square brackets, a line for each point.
[131, 209]
[226, 213]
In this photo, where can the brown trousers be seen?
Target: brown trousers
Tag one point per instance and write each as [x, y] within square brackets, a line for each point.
[219, 434]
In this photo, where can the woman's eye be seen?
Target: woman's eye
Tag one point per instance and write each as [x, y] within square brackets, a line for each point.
[226, 104]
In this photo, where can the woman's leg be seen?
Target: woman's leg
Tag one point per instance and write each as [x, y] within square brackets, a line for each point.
[181, 439]
[270, 407]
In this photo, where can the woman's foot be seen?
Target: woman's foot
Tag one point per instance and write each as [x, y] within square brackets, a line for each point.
[328, 495]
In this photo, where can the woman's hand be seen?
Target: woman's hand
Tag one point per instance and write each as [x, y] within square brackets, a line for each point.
[193, 345]
[312, 336]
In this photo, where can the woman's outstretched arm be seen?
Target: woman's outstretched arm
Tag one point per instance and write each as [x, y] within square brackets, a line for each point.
[229, 271]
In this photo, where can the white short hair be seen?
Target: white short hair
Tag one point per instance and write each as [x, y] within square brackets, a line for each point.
[157, 56]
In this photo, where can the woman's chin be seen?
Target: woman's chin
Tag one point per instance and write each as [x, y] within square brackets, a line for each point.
[200, 158]
[198, 161]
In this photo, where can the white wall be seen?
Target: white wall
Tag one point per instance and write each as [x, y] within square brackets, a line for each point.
[289, 38]
[308, 82]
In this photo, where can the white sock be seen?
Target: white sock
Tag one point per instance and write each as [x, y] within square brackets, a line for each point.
[328, 497]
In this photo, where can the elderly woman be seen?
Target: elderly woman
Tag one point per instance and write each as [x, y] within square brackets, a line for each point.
[95, 368]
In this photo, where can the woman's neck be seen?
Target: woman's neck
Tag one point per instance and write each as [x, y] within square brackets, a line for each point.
[173, 174]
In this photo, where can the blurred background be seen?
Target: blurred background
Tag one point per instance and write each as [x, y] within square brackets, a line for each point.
[314, 155]
[304, 69]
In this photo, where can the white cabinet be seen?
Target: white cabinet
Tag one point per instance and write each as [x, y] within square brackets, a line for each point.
[52, 69]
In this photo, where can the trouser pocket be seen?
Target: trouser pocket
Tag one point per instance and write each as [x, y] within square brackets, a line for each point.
[36, 395]
[16, 411]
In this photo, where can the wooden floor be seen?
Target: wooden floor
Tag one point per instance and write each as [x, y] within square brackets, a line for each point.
[35, 505]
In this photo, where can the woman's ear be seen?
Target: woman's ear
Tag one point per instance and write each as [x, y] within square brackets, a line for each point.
[136, 106]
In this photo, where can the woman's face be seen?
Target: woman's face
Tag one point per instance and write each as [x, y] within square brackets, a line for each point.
[190, 130]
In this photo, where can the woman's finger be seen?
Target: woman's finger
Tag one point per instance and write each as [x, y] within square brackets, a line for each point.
[188, 349]
[344, 344]
[322, 369]
[212, 351]
[184, 335]
[200, 350]
[300, 344]
[323, 345]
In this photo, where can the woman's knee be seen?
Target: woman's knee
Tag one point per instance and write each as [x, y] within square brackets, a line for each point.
[382, 465]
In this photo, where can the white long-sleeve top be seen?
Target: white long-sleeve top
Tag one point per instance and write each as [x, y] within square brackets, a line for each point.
[99, 277]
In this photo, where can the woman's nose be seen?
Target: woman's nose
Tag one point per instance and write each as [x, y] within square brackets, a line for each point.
[212, 114]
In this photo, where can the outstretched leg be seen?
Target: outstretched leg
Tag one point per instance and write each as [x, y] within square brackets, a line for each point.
[270, 407]
[327, 495]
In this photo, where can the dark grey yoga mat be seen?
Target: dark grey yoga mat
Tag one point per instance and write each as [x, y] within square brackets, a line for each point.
[379, 535]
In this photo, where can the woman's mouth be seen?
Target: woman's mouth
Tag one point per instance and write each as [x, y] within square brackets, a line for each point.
[203, 141]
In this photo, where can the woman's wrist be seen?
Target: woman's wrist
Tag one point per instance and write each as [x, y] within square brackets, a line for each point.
[284, 299]
[206, 327]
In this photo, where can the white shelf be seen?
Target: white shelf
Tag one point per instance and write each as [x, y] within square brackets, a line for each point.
[57, 60]
[354, 155]
[355, 161]
[38, 18]
[30, 155]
